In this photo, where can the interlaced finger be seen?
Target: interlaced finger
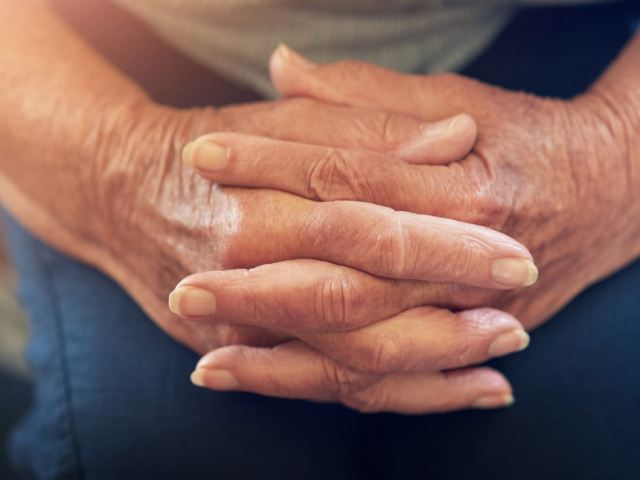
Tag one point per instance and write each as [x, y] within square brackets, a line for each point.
[296, 370]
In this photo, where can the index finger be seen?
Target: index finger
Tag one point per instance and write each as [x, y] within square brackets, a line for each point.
[317, 123]
[464, 190]
[377, 240]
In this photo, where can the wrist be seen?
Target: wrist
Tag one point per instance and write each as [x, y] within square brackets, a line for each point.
[605, 131]
[153, 210]
[606, 146]
[615, 109]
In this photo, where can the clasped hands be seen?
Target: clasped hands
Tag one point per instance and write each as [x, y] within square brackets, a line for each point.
[378, 297]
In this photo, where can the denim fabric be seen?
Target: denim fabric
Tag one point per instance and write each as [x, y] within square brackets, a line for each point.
[113, 398]
[114, 401]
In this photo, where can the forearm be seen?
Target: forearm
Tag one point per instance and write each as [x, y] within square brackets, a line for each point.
[615, 99]
[85, 156]
[56, 97]
[605, 149]
[68, 124]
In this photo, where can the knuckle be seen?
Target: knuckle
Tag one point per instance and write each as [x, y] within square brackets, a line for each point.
[461, 263]
[368, 401]
[333, 177]
[392, 251]
[492, 208]
[489, 200]
[384, 355]
[343, 381]
[333, 305]
[470, 335]
[300, 108]
[389, 129]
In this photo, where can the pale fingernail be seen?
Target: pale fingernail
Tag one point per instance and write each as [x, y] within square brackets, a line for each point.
[206, 156]
[494, 401]
[514, 272]
[511, 342]
[295, 59]
[438, 128]
[215, 379]
[428, 133]
[192, 302]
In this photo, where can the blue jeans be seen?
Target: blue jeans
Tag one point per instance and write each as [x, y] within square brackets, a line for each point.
[114, 400]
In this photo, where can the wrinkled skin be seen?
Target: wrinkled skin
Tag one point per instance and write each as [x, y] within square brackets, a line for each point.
[559, 176]
[91, 165]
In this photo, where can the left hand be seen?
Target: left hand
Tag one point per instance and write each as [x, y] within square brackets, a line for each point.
[558, 176]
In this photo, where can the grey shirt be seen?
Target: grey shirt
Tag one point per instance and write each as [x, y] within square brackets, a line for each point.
[236, 37]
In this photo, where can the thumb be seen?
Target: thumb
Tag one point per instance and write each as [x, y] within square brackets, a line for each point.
[355, 83]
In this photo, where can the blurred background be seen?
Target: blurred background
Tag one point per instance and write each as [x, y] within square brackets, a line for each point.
[15, 378]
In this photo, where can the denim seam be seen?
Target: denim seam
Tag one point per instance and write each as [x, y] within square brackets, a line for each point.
[56, 314]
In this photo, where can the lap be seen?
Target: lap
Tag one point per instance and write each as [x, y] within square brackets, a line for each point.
[113, 399]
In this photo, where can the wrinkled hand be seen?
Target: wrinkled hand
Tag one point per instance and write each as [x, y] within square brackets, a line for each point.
[92, 166]
[556, 175]
[167, 222]
[349, 321]
[559, 176]
[349, 313]
[358, 348]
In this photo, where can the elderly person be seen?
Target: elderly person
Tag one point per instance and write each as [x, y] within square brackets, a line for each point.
[377, 277]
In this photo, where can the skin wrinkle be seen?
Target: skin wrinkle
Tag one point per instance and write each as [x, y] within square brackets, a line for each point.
[387, 354]
[162, 225]
[474, 328]
[514, 205]
[319, 177]
[511, 171]
[347, 289]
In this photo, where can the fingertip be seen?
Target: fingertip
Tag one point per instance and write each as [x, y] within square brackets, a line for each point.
[282, 58]
[464, 123]
[277, 59]
[492, 318]
[514, 272]
[293, 59]
[221, 380]
[494, 401]
[492, 389]
[442, 142]
[188, 152]
[206, 155]
[197, 378]
[465, 129]
[191, 301]
[510, 342]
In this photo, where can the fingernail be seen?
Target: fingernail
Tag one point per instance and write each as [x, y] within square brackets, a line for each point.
[295, 59]
[514, 272]
[192, 302]
[438, 128]
[511, 342]
[206, 156]
[215, 379]
[494, 401]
